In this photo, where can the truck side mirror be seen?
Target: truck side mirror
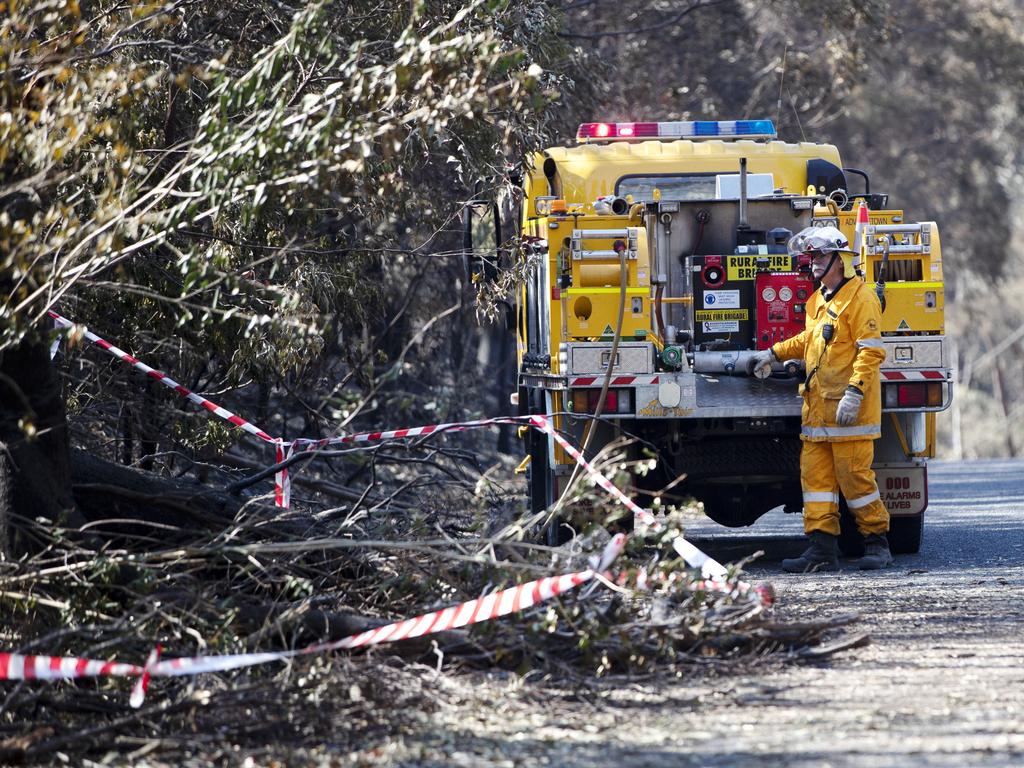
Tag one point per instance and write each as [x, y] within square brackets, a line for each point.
[481, 239]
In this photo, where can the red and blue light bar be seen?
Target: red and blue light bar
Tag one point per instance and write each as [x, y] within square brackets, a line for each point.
[686, 129]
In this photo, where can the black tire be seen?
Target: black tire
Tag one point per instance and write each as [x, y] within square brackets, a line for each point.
[538, 475]
[541, 485]
[905, 534]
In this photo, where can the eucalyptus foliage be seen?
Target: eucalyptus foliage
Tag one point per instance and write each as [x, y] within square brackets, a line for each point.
[234, 174]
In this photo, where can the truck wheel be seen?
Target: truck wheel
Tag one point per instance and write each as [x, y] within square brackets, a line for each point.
[542, 486]
[905, 534]
[538, 474]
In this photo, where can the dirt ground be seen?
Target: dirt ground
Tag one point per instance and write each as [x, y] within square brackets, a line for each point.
[940, 684]
[931, 689]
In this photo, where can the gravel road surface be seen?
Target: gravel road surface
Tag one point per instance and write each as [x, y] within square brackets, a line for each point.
[941, 683]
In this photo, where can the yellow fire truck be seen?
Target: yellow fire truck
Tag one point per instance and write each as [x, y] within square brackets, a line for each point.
[656, 260]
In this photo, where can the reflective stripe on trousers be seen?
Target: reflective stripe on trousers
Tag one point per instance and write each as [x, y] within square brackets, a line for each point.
[828, 468]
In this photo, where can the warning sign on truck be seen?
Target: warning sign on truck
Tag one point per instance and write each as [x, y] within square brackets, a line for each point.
[705, 315]
[720, 326]
[904, 490]
[746, 267]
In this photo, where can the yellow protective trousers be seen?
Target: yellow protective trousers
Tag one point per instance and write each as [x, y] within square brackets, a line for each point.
[826, 469]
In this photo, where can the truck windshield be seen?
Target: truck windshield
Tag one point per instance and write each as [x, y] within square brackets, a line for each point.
[681, 188]
[705, 186]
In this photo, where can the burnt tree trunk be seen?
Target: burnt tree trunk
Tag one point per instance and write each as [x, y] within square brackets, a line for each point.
[34, 431]
[5, 502]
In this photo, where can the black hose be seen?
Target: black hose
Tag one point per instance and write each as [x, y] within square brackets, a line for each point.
[883, 269]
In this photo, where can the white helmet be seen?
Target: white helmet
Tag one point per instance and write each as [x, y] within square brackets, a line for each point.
[823, 240]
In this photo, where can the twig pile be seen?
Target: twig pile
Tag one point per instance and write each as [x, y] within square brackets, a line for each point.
[270, 581]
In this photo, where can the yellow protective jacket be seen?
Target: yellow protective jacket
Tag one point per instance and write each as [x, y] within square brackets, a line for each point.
[852, 358]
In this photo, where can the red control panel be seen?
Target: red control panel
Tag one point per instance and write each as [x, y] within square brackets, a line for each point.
[781, 301]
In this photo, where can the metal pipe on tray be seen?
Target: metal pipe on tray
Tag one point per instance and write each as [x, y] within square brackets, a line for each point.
[736, 362]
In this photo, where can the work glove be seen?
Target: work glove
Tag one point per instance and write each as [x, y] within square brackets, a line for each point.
[760, 364]
[849, 407]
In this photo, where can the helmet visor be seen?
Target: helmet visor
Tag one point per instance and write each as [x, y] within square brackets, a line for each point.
[818, 240]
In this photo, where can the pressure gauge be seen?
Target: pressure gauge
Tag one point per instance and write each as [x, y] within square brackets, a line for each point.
[768, 294]
[785, 293]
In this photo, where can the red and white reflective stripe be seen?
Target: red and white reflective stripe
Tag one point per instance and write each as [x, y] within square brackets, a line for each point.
[618, 381]
[914, 375]
[167, 381]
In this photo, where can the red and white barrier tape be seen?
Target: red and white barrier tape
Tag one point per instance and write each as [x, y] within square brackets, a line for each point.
[167, 381]
[142, 684]
[18, 667]
[282, 480]
[283, 448]
[302, 442]
[710, 568]
[15, 666]
[714, 572]
[693, 556]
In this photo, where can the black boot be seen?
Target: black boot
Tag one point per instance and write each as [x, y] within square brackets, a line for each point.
[822, 555]
[876, 553]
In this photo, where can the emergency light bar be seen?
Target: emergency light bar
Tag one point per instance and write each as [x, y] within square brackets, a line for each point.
[690, 129]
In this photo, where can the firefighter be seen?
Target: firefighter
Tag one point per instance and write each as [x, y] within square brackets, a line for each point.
[841, 416]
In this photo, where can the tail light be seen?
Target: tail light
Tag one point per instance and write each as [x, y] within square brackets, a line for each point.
[616, 401]
[914, 395]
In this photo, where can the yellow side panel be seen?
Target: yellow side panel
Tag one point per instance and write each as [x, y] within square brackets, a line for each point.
[558, 422]
[913, 306]
[914, 291]
[594, 312]
[589, 307]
